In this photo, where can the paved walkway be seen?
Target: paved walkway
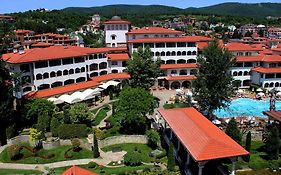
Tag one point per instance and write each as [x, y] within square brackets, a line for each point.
[102, 124]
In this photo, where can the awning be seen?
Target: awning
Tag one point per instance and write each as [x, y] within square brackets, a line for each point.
[56, 101]
[109, 83]
[70, 99]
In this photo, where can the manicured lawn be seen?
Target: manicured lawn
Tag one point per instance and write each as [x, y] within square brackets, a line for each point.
[257, 161]
[109, 171]
[258, 172]
[101, 115]
[13, 171]
[115, 129]
[145, 150]
[58, 155]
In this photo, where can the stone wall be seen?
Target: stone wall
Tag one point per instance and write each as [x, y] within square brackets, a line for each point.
[51, 144]
[18, 139]
[141, 139]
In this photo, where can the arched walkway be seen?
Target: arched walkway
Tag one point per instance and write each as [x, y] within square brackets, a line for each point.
[186, 84]
[175, 85]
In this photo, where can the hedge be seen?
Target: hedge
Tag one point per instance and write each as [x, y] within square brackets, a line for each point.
[69, 131]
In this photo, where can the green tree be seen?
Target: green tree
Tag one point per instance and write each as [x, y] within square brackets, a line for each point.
[96, 146]
[212, 88]
[236, 35]
[79, 113]
[6, 100]
[153, 138]
[133, 106]
[248, 34]
[233, 131]
[272, 143]
[35, 136]
[171, 158]
[248, 146]
[38, 107]
[143, 69]
[43, 123]
[55, 126]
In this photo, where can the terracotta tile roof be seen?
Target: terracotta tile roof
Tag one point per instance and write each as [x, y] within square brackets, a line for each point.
[202, 45]
[76, 170]
[154, 30]
[274, 114]
[54, 52]
[117, 22]
[240, 47]
[201, 137]
[176, 39]
[276, 49]
[75, 87]
[178, 66]
[248, 58]
[118, 56]
[180, 77]
[271, 58]
[111, 77]
[267, 70]
[266, 52]
[42, 44]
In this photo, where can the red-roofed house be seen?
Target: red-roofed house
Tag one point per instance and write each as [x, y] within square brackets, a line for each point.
[55, 67]
[76, 170]
[199, 145]
[115, 32]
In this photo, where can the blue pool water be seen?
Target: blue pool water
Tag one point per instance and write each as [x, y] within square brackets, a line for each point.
[245, 107]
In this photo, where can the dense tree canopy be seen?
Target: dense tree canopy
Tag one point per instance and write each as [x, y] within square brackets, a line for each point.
[133, 106]
[213, 88]
[79, 113]
[272, 143]
[143, 69]
[38, 107]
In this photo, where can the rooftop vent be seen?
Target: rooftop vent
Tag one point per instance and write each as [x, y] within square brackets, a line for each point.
[65, 46]
[21, 51]
[146, 28]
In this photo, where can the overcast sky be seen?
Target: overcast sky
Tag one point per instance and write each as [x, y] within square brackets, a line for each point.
[7, 6]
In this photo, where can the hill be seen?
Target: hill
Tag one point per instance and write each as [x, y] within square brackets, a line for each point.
[258, 10]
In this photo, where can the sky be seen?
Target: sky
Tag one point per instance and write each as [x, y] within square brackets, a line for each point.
[9, 6]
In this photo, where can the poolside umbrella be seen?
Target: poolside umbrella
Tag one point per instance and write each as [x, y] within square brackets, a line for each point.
[216, 122]
[261, 94]
[259, 90]
[178, 90]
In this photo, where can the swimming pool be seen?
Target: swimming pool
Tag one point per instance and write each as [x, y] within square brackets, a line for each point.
[245, 107]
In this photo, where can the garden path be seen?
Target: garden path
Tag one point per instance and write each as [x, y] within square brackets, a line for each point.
[102, 124]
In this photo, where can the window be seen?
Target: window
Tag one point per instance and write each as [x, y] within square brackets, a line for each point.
[79, 59]
[39, 77]
[70, 81]
[93, 67]
[77, 70]
[183, 72]
[83, 69]
[120, 27]
[56, 84]
[183, 53]
[157, 54]
[248, 64]
[174, 71]
[162, 53]
[160, 45]
[80, 79]
[53, 74]
[59, 73]
[54, 63]
[179, 53]
[26, 79]
[103, 65]
[71, 71]
[91, 57]
[113, 37]
[103, 72]
[65, 72]
[45, 75]
[269, 76]
[108, 27]
[134, 36]
[191, 44]
[67, 61]
[194, 53]
[114, 71]
[43, 86]
[145, 36]
[24, 68]
[193, 71]
[41, 64]
[168, 53]
[181, 44]
[114, 63]
[26, 89]
[94, 74]
[156, 36]
[173, 53]
[170, 44]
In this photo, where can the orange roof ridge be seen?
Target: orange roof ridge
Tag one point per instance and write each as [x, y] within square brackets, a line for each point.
[76, 170]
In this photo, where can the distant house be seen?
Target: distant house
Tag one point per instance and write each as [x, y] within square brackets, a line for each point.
[76, 170]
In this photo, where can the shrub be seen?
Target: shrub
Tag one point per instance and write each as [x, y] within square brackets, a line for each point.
[13, 152]
[75, 145]
[96, 147]
[153, 138]
[69, 131]
[99, 134]
[55, 126]
[171, 158]
[163, 154]
[273, 165]
[43, 123]
[11, 131]
[92, 165]
[133, 159]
